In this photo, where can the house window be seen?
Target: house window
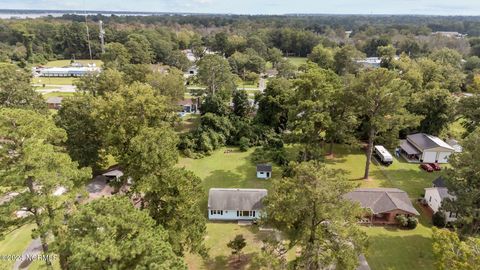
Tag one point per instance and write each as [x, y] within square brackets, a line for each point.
[238, 213]
[245, 213]
[216, 212]
[262, 173]
[253, 213]
[430, 199]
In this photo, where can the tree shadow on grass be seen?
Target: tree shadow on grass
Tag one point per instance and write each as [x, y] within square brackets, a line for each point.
[400, 252]
[233, 262]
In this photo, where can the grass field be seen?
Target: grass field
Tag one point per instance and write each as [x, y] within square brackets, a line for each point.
[62, 63]
[188, 123]
[218, 235]
[15, 243]
[53, 81]
[297, 61]
[58, 94]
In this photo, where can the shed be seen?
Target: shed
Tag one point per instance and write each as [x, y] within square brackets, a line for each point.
[264, 171]
[235, 203]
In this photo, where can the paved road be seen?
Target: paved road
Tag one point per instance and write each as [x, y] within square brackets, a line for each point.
[56, 88]
[33, 249]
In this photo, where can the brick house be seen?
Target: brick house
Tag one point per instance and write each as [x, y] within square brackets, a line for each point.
[384, 204]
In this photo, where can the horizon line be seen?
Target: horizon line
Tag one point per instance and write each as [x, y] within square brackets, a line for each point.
[230, 13]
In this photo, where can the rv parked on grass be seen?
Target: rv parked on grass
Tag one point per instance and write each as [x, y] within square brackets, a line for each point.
[382, 155]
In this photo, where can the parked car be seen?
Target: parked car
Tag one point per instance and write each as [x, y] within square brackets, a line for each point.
[435, 166]
[426, 167]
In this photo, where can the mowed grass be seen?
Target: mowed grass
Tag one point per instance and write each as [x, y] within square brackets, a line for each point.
[401, 174]
[63, 63]
[297, 61]
[218, 236]
[53, 81]
[14, 243]
[226, 170]
[58, 94]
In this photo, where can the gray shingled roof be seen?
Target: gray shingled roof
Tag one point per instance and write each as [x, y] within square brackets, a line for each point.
[381, 200]
[439, 182]
[424, 141]
[54, 100]
[264, 167]
[236, 199]
[409, 148]
[443, 192]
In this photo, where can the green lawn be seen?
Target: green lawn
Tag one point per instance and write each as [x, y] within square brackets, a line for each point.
[218, 235]
[15, 243]
[297, 61]
[62, 63]
[401, 174]
[188, 123]
[227, 170]
[53, 81]
[58, 94]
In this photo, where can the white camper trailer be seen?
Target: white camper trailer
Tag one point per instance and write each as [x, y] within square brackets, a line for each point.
[382, 155]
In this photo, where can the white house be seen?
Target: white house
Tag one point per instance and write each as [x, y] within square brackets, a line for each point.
[424, 148]
[435, 195]
[235, 203]
[264, 171]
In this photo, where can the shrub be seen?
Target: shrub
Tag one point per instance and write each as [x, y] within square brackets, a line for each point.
[412, 222]
[439, 219]
[244, 143]
[402, 220]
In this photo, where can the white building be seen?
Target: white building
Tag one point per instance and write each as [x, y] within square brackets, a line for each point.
[264, 171]
[68, 71]
[435, 195]
[235, 204]
[424, 148]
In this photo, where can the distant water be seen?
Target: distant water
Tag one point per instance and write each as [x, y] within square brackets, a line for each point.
[23, 14]
[28, 15]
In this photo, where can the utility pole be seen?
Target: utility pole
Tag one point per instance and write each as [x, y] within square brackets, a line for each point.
[102, 37]
[88, 37]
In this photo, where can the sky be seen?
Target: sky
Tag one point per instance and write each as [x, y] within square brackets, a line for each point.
[427, 7]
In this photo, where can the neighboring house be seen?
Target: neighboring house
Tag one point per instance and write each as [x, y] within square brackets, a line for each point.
[264, 171]
[454, 143]
[54, 103]
[235, 204]
[370, 62]
[189, 105]
[384, 203]
[435, 195]
[424, 148]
